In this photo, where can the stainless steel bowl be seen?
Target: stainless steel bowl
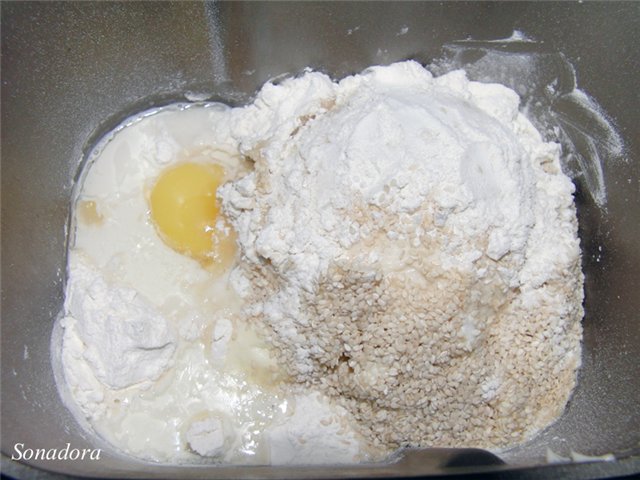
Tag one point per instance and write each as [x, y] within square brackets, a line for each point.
[71, 71]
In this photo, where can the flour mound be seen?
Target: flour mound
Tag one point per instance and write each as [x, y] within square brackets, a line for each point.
[412, 246]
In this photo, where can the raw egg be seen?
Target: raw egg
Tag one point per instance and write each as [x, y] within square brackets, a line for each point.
[187, 215]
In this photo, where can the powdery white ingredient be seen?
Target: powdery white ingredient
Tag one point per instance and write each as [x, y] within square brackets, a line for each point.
[87, 391]
[121, 337]
[207, 437]
[373, 155]
[313, 433]
[550, 98]
[413, 241]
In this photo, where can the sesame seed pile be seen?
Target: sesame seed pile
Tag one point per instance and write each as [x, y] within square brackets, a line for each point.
[389, 343]
[410, 249]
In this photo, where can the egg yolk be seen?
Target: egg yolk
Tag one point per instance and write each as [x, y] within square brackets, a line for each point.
[187, 215]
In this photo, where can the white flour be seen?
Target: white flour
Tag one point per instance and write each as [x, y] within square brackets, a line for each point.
[123, 339]
[395, 212]
[313, 433]
[394, 139]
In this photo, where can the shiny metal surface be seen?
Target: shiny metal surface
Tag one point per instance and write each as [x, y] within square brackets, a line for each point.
[70, 71]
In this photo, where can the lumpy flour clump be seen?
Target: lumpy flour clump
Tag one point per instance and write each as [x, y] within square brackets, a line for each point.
[409, 246]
